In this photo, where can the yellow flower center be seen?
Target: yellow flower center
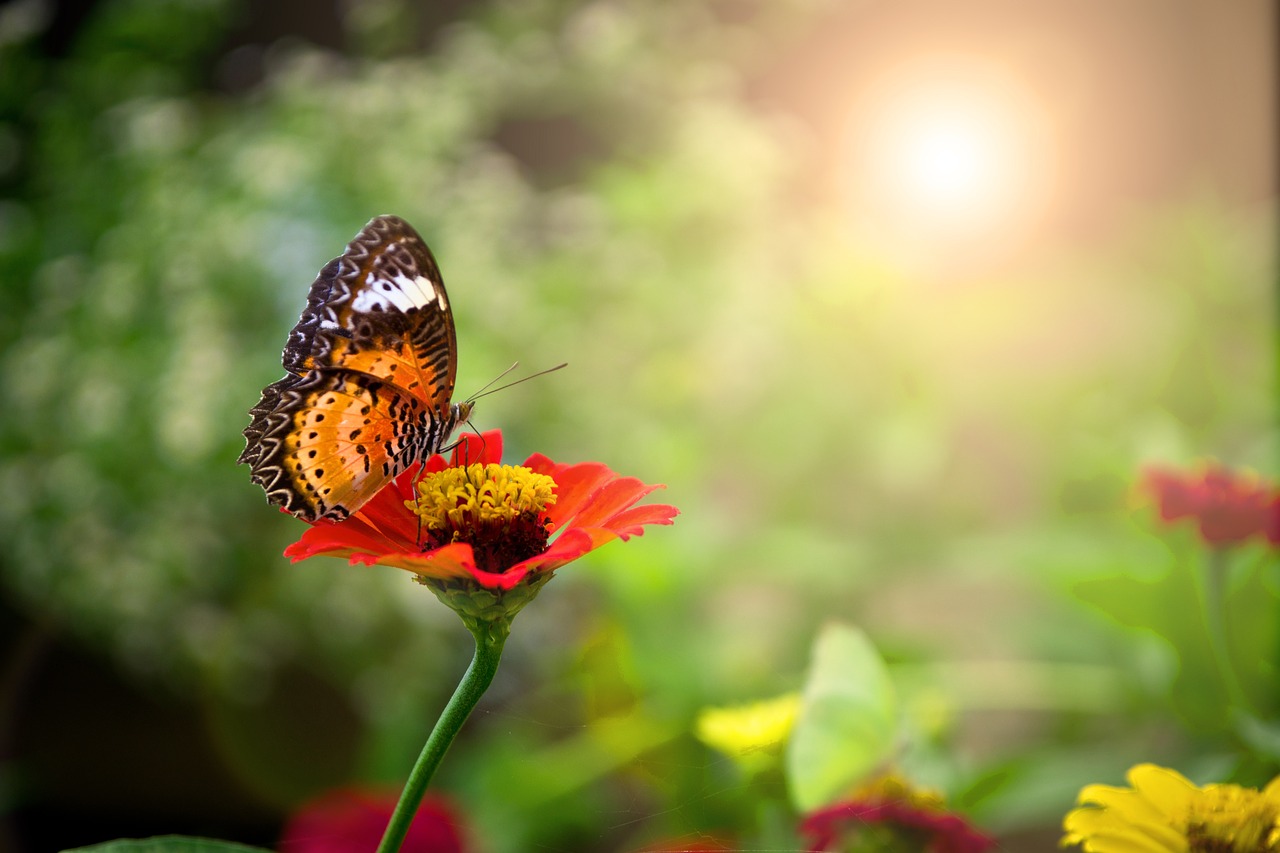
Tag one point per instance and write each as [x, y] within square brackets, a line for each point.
[481, 494]
[497, 509]
[1232, 819]
[893, 788]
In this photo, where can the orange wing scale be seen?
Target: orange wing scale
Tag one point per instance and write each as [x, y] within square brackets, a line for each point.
[399, 364]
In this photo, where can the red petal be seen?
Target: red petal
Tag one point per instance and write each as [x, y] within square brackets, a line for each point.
[610, 500]
[1228, 505]
[542, 465]
[631, 522]
[1173, 492]
[326, 539]
[949, 833]
[485, 449]
[589, 495]
[406, 480]
[387, 514]
[575, 485]
[500, 580]
[454, 560]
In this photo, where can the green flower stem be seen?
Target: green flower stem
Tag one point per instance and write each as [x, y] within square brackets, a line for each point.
[1212, 597]
[490, 639]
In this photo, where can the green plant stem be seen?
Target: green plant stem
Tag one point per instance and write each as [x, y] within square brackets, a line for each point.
[1212, 597]
[490, 639]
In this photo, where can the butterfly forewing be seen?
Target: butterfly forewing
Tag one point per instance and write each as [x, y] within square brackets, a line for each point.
[371, 366]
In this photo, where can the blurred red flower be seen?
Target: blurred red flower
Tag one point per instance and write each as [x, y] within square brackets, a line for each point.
[905, 824]
[1228, 506]
[352, 820]
[592, 506]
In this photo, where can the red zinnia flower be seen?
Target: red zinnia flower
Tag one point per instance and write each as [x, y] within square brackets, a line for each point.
[1228, 506]
[901, 817]
[471, 525]
[352, 820]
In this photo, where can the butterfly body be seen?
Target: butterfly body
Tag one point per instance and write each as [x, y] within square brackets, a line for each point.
[370, 369]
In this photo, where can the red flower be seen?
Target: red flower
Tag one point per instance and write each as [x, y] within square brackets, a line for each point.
[1228, 506]
[352, 820]
[592, 505]
[912, 821]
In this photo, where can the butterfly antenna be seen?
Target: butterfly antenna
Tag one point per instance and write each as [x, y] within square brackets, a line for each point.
[486, 385]
[486, 390]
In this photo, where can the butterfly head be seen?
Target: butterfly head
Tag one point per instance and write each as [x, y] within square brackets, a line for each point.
[460, 413]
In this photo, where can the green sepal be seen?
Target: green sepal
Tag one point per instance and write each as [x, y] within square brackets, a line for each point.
[486, 612]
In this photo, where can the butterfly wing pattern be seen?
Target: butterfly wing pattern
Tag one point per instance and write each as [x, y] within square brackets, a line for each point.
[369, 376]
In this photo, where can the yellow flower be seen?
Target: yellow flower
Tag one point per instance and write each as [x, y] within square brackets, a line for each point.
[751, 734]
[1165, 813]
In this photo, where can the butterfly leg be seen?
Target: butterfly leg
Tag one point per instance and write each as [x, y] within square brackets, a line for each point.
[483, 444]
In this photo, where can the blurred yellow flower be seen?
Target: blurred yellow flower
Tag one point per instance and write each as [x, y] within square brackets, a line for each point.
[752, 734]
[1164, 813]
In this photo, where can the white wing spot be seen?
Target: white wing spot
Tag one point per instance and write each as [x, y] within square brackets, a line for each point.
[369, 300]
[420, 289]
[402, 292]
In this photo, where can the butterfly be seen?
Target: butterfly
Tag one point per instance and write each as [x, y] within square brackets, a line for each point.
[370, 368]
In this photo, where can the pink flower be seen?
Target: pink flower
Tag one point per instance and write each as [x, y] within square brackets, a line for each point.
[890, 814]
[352, 820]
[1228, 506]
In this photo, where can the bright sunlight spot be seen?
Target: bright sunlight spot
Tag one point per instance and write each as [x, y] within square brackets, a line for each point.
[949, 163]
[945, 155]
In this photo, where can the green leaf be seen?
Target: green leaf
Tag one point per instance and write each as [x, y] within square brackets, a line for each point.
[1262, 736]
[847, 718]
[168, 844]
[1171, 607]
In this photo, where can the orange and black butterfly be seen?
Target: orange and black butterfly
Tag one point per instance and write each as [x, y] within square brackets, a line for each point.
[369, 368]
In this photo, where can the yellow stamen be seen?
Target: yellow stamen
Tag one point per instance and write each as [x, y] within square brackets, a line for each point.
[894, 788]
[456, 498]
[1229, 817]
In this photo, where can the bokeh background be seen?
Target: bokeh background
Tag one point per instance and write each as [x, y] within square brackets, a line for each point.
[897, 298]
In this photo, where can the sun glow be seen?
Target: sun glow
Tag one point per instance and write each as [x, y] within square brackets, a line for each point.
[949, 162]
[945, 154]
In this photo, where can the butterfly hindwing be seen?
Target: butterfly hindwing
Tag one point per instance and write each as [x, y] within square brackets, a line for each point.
[371, 366]
[337, 438]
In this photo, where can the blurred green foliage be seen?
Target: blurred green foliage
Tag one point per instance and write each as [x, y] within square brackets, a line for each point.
[946, 463]
[847, 725]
